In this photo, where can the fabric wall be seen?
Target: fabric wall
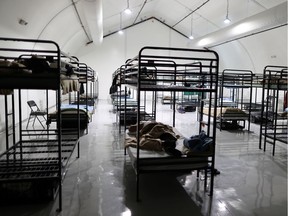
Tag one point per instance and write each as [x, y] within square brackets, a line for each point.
[116, 49]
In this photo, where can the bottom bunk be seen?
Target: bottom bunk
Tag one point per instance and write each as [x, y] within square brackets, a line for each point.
[274, 132]
[187, 106]
[30, 169]
[89, 100]
[163, 148]
[229, 118]
[70, 118]
[167, 99]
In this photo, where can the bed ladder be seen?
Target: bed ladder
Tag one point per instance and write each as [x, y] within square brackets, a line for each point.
[10, 122]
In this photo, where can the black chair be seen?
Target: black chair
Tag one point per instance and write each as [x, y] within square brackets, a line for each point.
[36, 113]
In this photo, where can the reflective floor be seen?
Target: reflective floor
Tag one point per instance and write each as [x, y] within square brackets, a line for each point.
[102, 182]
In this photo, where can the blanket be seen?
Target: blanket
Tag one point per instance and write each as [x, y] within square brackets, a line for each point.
[8, 68]
[155, 136]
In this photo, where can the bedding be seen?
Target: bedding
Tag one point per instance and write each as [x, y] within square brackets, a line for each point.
[8, 68]
[187, 106]
[167, 100]
[38, 67]
[228, 112]
[158, 153]
[166, 140]
[233, 113]
[69, 83]
[70, 118]
[230, 118]
[12, 67]
[90, 109]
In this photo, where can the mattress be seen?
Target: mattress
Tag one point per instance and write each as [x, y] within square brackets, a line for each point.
[90, 109]
[70, 118]
[150, 160]
[228, 113]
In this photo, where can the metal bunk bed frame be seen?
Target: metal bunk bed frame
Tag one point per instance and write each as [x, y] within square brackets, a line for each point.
[236, 79]
[30, 159]
[274, 80]
[129, 109]
[208, 84]
[86, 77]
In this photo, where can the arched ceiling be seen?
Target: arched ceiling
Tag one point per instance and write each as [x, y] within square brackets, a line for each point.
[66, 23]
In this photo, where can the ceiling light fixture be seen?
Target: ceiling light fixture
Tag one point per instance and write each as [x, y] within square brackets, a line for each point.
[227, 20]
[128, 10]
[120, 30]
[191, 37]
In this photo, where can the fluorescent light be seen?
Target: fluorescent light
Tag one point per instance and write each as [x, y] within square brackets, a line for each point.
[227, 20]
[204, 42]
[120, 29]
[127, 11]
[191, 33]
[127, 212]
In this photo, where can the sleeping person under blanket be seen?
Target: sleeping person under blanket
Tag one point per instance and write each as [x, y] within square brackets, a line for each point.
[155, 136]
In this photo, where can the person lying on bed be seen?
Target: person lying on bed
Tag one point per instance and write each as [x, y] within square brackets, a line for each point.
[155, 136]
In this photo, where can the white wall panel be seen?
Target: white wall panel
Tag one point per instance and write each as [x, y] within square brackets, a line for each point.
[255, 52]
[116, 49]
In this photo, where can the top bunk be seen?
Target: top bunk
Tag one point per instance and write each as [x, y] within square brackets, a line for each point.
[235, 81]
[86, 73]
[172, 69]
[34, 64]
[234, 78]
[275, 77]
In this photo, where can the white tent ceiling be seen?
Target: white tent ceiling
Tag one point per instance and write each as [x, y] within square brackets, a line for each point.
[66, 23]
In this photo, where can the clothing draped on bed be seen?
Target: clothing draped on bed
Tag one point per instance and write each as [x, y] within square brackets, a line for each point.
[159, 137]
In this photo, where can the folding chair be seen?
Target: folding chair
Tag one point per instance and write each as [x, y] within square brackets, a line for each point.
[35, 113]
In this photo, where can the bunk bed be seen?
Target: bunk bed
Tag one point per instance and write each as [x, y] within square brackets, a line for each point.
[147, 74]
[88, 88]
[233, 110]
[233, 101]
[188, 101]
[256, 105]
[79, 102]
[126, 106]
[70, 117]
[127, 110]
[118, 95]
[273, 128]
[32, 157]
[187, 105]
[119, 103]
